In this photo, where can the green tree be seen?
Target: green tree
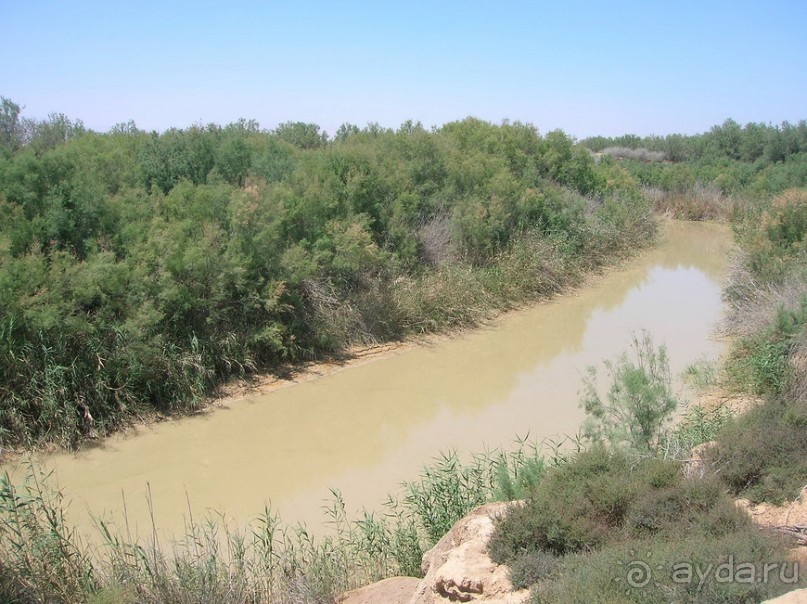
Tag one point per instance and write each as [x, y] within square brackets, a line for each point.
[301, 134]
[639, 402]
[11, 130]
[54, 131]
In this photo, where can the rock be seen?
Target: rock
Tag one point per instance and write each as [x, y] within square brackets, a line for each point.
[395, 590]
[458, 568]
[793, 597]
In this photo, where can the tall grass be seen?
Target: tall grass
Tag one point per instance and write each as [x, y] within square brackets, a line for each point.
[699, 202]
[43, 559]
[448, 489]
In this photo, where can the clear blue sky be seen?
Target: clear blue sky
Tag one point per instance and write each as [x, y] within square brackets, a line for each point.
[608, 68]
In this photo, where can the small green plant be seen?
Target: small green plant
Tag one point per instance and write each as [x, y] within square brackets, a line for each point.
[448, 490]
[519, 471]
[697, 426]
[760, 363]
[702, 374]
[639, 403]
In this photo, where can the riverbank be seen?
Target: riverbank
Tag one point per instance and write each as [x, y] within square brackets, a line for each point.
[178, 285]
[356, 355]
[369, 429]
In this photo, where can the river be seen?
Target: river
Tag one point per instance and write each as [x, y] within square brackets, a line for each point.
[369, 427]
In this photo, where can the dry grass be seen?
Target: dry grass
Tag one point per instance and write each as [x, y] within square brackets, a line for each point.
[797, 386]
[753, 306]
[640, 154]
[703, 202]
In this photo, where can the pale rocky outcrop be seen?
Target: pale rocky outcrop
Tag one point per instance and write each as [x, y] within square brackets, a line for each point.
[457, 569]
[395, 590]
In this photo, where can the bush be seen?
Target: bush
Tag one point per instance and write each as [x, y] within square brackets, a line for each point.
[772, 325]
[762, 455]
[682, 570]
[693, 506]
[572, 509]
[639, 403]
[141, 271]
[531, 567]
[603, 519]
[778, 238]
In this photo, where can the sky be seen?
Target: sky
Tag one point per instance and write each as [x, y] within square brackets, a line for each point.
[588, 68]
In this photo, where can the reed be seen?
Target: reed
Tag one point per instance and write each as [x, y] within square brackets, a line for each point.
[43, 559]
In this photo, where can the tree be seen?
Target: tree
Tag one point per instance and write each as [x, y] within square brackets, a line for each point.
[345, 131]
[302, 135]
[233, 159]
[54, 131]
[639, 402]
[11, 130]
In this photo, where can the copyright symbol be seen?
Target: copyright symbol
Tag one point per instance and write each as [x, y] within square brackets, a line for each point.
[639, 574]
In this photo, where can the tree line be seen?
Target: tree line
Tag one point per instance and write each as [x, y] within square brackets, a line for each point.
[760, 160]
[140, 270]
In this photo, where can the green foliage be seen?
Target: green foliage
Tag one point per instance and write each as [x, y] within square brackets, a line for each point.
[447, 491]
[760, 362]
[719, 174]
[448, 488]
[601, 516]
[777, 241]
[177, 155]
[42, 559]
[11, 131]
[639, 402]
[697, 426]
[695, 569]
[762, 454]
[141, 270]
[702, 374]
[515, 482]
[570, 510]
[302, 135]
[529, 568]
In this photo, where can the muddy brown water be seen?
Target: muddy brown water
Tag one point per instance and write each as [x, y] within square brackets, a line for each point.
[368, 428]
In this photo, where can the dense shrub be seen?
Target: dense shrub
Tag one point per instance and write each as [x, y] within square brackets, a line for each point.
[762, 454]
[139, 271]
[776, 244]
[604, 528]
[694, 569]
